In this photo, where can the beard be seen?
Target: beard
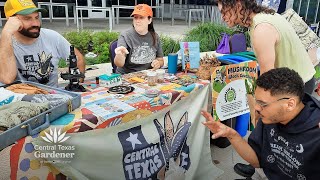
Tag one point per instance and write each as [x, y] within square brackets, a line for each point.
[27, 33]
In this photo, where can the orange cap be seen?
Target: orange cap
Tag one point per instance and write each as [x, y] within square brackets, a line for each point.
[142, 10]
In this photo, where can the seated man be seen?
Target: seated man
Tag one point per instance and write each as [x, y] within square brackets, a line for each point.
[286, 140]
[29, 52]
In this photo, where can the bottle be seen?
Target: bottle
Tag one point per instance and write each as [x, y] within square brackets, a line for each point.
[152, 78]
[160, 75]
[97, 80]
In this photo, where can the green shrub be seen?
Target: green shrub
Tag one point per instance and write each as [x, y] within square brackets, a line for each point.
[100, 40]
[169, 45]
[62, 63]
[208, 35]
[80, 40]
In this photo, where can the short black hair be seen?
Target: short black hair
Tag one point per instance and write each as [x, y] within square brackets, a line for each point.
[282, 81]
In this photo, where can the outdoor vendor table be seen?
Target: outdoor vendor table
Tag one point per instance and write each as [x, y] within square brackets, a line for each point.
[166, 130]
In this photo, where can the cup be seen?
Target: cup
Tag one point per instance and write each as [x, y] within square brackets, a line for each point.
[172, 63]
[160, 74]
[152, 78]
[242, 124]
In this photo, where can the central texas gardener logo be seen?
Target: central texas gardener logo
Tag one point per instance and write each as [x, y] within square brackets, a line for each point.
[55, 136]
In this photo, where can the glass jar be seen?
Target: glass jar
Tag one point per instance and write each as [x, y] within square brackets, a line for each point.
[160, 75]
[152, 78]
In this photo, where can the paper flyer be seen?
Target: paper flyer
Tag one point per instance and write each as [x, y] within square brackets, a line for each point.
[190, 52]
[229, 94]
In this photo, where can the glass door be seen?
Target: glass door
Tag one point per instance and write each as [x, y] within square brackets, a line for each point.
[95, 13]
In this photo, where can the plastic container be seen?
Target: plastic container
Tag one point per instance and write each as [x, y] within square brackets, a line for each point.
[172, 63]
[160, 75]
[152, 78]
[242, 124]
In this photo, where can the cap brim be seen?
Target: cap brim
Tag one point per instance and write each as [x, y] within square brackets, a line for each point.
[31, 10]
[140, 13]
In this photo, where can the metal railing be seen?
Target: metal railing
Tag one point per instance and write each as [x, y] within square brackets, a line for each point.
[308, 9]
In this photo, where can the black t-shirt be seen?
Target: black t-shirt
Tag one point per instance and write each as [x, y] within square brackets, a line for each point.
[290, 151]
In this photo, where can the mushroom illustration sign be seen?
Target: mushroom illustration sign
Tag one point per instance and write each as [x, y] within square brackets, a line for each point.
[232, 100]
[229, 91]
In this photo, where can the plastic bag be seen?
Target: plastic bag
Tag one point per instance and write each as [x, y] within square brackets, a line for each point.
[224, 47]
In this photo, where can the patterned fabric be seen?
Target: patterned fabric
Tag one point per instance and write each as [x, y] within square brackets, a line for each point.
[8, 97]
[53, 99]
[308, 38]
[17, 112]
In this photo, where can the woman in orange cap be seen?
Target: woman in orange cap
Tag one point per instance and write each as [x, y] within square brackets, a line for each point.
[139, 47]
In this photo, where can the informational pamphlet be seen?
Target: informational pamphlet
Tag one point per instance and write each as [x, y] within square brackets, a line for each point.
[190, 52]
[229, 91]
[108, 108]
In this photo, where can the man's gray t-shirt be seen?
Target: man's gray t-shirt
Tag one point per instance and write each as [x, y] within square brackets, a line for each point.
[38, 62]
[141, 50]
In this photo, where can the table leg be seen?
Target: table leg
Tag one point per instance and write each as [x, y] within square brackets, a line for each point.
[117, 15]
[50, 12]
[81, 20]
[171, 11]
[0, 20]
[67, 15]
[74, 15]
[77, 21]
[110, 20]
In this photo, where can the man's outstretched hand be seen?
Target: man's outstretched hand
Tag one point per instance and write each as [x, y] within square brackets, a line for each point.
[216, 127]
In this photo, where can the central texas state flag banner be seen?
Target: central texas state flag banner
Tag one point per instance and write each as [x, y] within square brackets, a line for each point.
[170, 144]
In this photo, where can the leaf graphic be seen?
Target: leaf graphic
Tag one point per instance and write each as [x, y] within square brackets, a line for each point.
[183, 120]
[44, 138]
[49, 136]
[55, 136]
[51, 133]
[64, 139]
[168, 127]
[61, 136]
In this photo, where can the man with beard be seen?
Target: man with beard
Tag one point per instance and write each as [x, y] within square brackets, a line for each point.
[286, 140]
[29, 52]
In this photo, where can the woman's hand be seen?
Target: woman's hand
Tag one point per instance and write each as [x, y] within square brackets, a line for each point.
[216, 127]
[156, 64]
[121, 51]
[120, 57]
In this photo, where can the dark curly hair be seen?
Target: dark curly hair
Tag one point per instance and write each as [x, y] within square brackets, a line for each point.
[248, 7]
[282, 81]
